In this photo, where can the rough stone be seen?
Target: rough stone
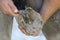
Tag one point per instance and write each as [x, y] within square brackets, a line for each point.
[30, 20]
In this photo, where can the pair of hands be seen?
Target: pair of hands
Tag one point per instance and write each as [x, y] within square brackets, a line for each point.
[8, 7]
[49, 7]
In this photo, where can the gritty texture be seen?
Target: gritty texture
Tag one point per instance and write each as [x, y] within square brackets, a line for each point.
[30, 20]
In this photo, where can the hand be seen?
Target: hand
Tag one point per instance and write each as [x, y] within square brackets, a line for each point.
[23, 31]
[8, 7]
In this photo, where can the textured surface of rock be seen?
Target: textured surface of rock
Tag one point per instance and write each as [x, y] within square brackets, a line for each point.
[52, 27]
[30, 20]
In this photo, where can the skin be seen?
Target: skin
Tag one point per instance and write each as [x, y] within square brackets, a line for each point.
[8, 7]
[48, 9]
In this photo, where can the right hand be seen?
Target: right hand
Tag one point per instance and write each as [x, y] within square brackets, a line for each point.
[23, 31]
[8, 7]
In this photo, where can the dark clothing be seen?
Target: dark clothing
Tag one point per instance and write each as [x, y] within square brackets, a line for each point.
[35, 4]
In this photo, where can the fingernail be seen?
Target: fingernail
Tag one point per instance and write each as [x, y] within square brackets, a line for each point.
[16, 11]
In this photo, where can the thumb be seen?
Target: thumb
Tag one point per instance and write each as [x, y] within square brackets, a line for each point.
[13, 7]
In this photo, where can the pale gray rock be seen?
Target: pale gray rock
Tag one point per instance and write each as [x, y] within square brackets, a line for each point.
[30, 20]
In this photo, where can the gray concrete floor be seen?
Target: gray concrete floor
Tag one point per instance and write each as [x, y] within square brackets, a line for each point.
[3, 30]
[5, 26]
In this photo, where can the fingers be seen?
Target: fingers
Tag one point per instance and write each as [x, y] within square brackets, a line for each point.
[36, 34]
[11, 12]
[3, 8]
[23, 31]
[8, 8]
[21, 28]
[13, 7]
